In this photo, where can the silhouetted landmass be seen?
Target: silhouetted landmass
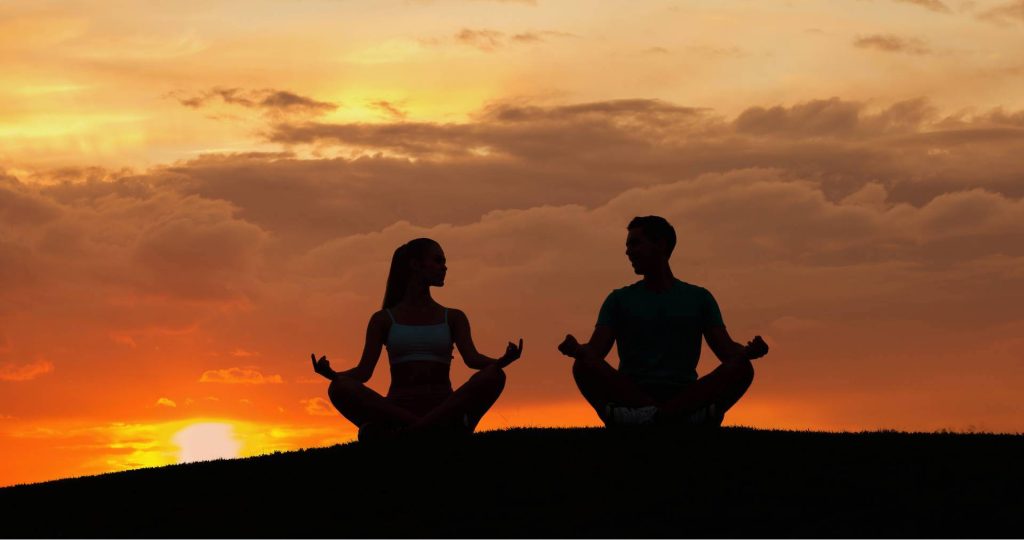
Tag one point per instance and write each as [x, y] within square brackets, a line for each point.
[557, 483]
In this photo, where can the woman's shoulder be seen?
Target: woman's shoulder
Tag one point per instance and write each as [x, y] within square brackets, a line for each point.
[380, 316]
[455, 314]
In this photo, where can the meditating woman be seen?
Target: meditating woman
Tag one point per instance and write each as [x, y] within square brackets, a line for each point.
[418, 333]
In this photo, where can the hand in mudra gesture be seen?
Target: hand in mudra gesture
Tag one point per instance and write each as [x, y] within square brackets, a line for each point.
[569, 346]
[756, 348]
[512, 353]
[322, 367]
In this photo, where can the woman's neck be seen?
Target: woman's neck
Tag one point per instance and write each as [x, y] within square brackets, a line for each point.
[418, 296]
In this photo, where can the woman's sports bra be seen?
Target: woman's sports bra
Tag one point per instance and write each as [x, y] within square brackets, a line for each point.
[419, 342]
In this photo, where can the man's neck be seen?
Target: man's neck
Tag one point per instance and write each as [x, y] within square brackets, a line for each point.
[660, 279]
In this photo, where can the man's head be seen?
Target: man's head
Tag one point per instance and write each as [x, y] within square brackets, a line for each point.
[649, 243]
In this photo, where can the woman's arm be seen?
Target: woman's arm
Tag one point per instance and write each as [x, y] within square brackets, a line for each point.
[463, 338]
[376, 334]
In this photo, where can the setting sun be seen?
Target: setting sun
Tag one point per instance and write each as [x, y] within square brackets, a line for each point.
[206, 441]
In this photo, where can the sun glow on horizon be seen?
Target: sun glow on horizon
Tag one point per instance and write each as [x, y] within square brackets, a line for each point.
[207, 441]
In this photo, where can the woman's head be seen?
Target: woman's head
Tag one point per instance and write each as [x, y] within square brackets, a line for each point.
[419, 261]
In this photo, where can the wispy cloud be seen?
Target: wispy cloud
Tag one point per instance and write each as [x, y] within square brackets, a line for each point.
[490, 40]
[11, 372]
[317, 406]
[1005, 14]
[891, 43]
[268, 100]
[933, 5]
[390, 109]
[166, 402]
[656, 50]
[239, 375]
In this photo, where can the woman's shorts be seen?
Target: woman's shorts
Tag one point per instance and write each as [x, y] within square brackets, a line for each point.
[420, 400]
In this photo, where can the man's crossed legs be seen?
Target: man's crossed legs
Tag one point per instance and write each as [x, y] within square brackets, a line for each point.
[620, 401]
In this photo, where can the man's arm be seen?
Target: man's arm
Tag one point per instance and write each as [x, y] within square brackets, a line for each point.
[728, 350]
[596, 349]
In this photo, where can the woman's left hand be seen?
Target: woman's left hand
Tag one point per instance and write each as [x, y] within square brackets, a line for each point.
[323, 367]
[512, 353]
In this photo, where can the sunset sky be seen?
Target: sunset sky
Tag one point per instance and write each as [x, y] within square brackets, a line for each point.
[194, 196]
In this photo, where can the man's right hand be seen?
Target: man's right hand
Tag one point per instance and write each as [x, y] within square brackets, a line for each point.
[756, 348]
[569, 346]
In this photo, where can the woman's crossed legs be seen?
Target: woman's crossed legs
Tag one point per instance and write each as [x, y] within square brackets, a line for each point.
[461, 409]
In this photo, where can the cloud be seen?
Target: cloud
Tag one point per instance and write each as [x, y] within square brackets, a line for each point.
[11, 372]
[1005, 14]
[835, 118]
[239, 375]
[483, 39]
[318, 406]
[933, 5]
[891, 43]
[197, 250]
[656, 50]
[390, 109]
[541, 36]
[166, 402]
[711, 51]
[490, 40]
[267, 100]
[124, 340]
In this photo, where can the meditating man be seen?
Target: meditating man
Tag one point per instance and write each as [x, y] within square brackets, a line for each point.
[658, 323]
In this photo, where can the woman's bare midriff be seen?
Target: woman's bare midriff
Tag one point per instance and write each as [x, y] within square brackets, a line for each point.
[414, 376]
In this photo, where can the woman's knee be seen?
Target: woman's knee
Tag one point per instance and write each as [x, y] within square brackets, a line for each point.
[492, 376]
[341, 387]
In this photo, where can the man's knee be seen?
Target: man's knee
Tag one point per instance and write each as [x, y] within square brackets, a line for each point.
[582, 371]
[742, 371]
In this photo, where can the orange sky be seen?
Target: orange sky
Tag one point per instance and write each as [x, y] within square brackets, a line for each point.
[196, 195]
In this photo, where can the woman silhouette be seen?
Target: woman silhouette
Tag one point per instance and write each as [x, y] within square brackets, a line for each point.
[419, 334]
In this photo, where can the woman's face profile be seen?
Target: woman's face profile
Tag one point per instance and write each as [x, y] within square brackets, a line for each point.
[433, 266]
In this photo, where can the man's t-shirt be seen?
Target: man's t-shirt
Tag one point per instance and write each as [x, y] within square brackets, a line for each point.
[659, 333]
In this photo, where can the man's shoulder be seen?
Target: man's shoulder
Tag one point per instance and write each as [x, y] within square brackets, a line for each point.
[628, 289]
[691, 288]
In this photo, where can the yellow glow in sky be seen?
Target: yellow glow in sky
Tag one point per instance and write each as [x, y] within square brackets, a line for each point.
[206, 441]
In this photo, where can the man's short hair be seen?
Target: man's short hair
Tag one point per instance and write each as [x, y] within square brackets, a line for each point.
[656, 228]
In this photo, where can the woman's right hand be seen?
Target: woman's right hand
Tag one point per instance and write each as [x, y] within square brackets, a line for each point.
[323, 367]
[512, 353]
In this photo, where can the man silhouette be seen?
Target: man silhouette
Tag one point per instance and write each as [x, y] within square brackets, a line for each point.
[658, 323]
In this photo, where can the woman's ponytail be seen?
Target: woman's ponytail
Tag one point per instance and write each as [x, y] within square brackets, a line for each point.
[401, 270]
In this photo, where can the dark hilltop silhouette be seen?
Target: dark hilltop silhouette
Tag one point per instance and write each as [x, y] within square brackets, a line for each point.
[626, 483]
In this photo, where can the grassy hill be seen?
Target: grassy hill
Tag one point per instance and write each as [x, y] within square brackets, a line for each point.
[560, 482]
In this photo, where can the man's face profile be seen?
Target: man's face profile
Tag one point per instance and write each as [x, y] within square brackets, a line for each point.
[643, 253]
